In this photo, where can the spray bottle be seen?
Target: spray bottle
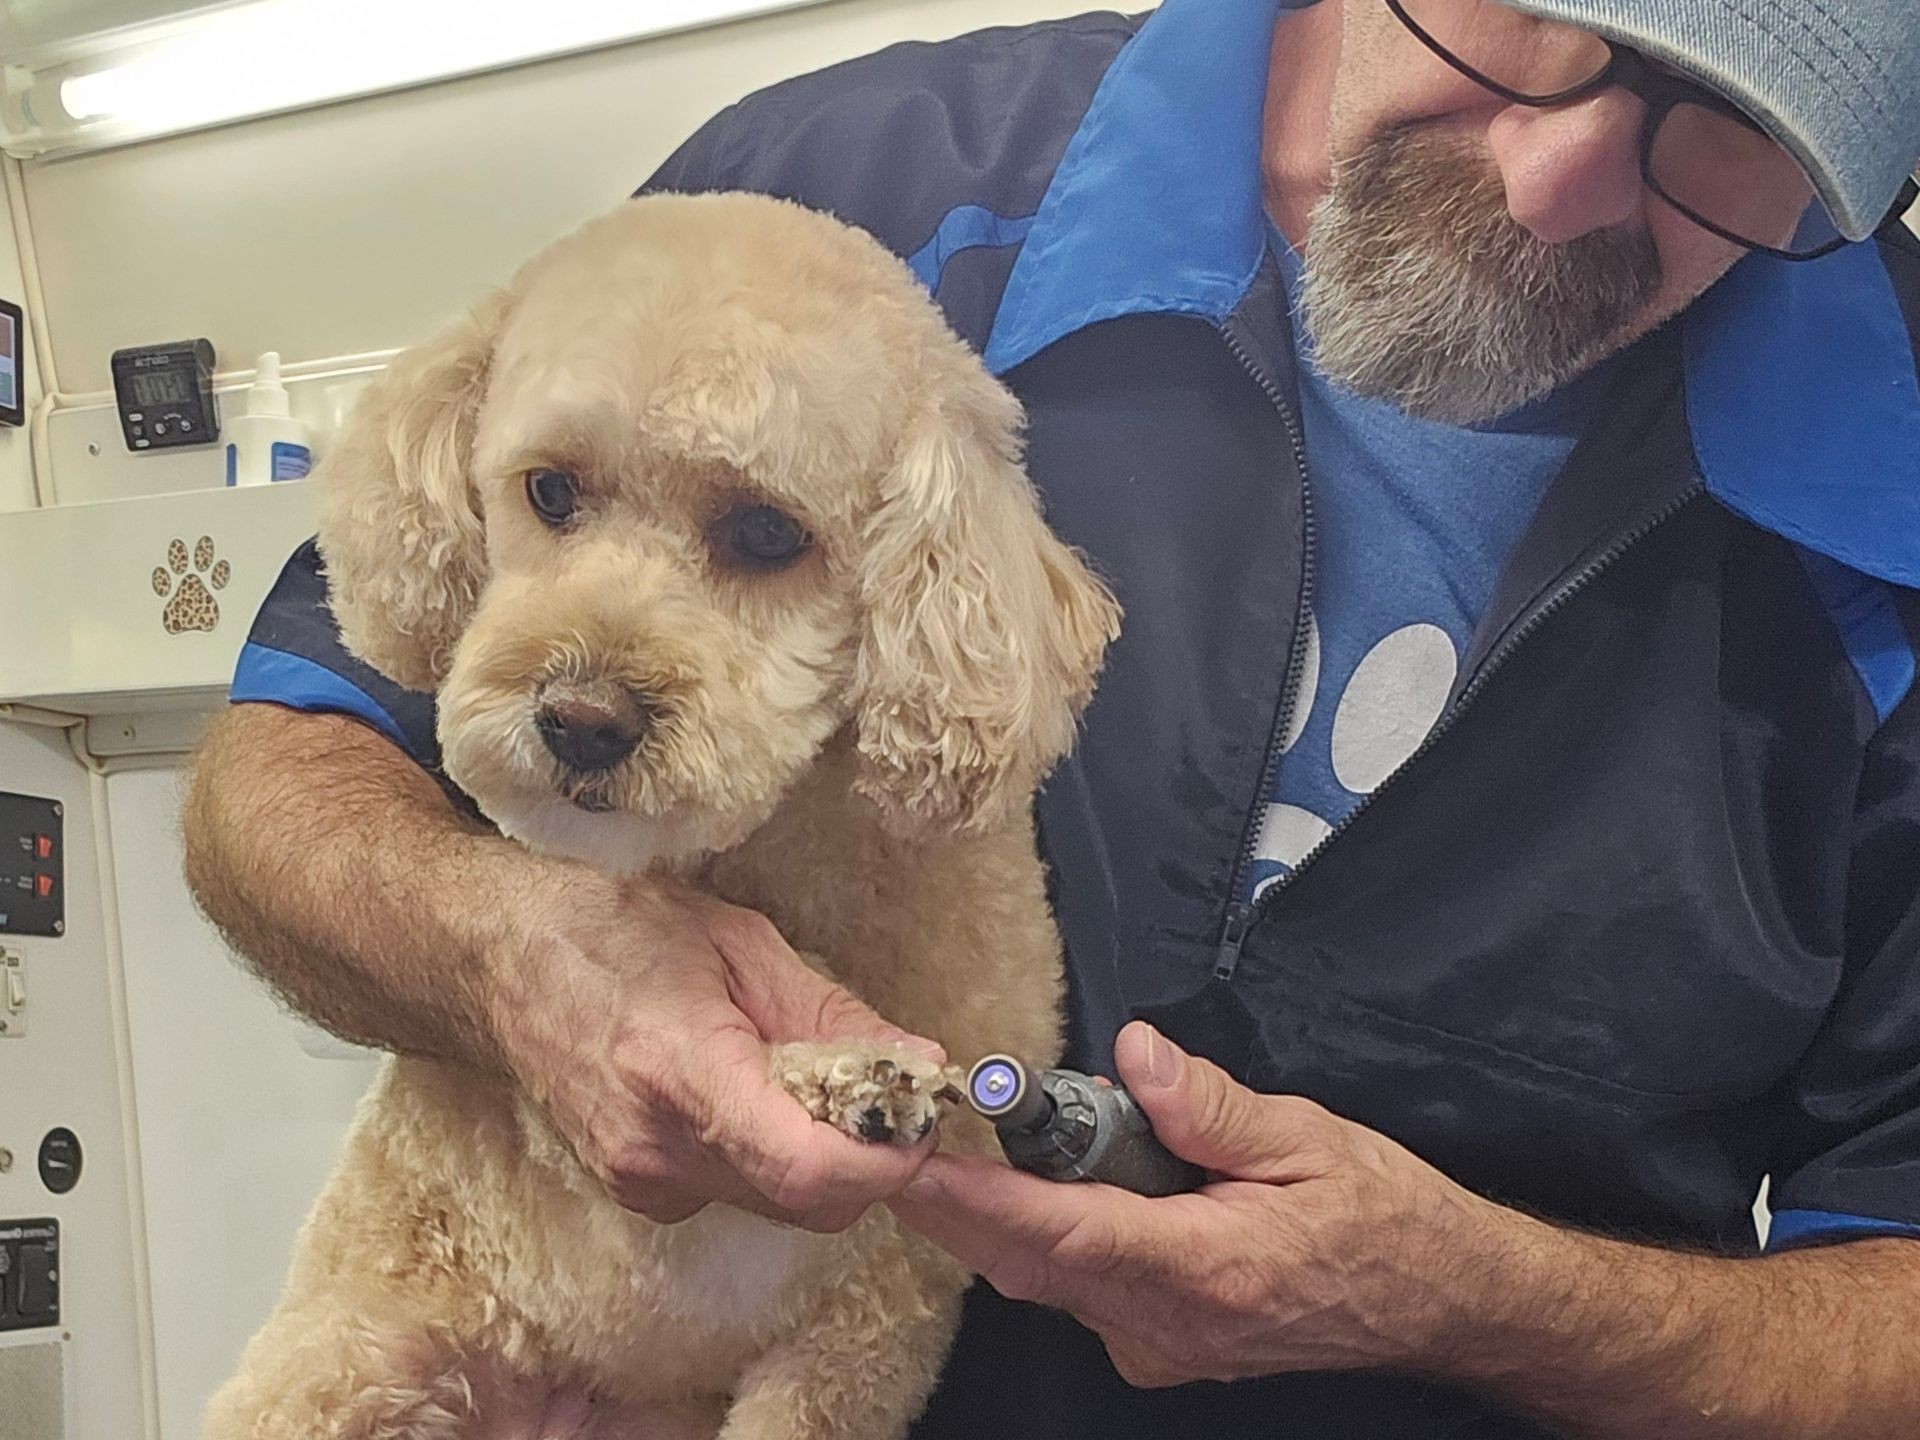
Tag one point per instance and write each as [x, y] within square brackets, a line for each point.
[267, 443]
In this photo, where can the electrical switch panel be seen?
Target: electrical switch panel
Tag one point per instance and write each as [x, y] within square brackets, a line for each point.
[33, 890]
[29, 1274]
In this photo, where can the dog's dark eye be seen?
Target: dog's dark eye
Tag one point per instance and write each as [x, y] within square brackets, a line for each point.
[765, 538]
[553, 494]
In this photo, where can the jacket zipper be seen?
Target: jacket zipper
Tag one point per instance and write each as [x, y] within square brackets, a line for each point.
[1240, 914]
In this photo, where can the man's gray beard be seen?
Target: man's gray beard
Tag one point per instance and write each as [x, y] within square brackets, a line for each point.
[1422, 290]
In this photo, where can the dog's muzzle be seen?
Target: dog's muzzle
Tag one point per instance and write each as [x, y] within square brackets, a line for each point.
[590, 726]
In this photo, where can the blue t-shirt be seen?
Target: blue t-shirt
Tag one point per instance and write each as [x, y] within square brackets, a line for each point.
[1414, 520]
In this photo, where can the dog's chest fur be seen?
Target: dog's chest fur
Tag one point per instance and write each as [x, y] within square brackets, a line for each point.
[737, 1277]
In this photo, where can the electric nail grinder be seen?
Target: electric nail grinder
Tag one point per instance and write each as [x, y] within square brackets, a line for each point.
[1062, 1125]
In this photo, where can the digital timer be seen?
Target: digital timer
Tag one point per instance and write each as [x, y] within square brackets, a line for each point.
[165, 395]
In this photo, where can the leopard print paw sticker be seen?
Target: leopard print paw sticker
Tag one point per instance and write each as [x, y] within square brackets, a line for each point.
[189, 592]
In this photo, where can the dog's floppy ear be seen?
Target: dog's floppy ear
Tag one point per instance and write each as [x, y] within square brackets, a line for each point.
[401, 532]
[983, 632]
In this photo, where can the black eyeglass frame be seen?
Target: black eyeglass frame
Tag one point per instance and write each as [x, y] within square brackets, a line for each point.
[1661, 92]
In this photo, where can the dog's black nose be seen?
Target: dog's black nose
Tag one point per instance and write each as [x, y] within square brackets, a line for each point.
[591, 725]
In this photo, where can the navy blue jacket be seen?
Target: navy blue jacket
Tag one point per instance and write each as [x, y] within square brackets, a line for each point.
[1637, 926]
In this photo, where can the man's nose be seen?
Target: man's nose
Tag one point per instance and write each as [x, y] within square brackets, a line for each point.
[1572, 169]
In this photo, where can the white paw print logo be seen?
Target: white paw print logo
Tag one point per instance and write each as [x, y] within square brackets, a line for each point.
[189, 593]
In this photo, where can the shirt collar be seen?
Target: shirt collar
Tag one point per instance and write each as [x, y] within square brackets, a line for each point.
[1156, 204]
[1804, 406]
[1801, 391]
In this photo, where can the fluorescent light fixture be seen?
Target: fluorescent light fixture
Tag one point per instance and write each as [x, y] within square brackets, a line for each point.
[268, 56]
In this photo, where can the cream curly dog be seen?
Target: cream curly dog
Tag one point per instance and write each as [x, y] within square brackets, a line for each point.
[713, 541]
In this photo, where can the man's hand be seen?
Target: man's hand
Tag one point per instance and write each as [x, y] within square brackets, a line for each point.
[1321, 1245]
[639, 1016]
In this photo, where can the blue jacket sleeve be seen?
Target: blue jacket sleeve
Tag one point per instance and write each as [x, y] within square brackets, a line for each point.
[293, 657]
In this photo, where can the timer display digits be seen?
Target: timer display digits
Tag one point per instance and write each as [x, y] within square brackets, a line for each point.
[161, 387]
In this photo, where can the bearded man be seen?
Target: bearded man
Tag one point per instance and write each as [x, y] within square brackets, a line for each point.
[1494, 848]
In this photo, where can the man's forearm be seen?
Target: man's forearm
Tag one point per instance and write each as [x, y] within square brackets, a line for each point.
[1625, 1342]
[348, 881]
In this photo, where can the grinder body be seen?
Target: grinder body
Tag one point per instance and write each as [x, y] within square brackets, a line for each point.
[1062, 1125]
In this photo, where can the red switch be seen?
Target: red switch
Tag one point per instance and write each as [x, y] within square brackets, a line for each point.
[43, 847]
[43, 885]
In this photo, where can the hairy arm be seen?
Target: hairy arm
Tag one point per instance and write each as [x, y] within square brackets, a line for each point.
[1616, 1340]
[637, 1013]
[350, 883]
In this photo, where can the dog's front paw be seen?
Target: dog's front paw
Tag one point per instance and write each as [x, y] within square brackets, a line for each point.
[873, 1092]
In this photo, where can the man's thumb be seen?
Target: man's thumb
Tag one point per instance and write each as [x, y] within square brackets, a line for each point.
[1203, 1114]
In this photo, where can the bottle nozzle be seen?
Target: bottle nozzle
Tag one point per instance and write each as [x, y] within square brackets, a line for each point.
[267, 396]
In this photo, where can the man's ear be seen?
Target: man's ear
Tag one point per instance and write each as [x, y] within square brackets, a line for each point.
[401, 531]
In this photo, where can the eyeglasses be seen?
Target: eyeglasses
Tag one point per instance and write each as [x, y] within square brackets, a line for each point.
[1698, 152]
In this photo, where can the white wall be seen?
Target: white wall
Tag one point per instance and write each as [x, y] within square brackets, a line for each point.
[239, 1125]
[361, 226]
